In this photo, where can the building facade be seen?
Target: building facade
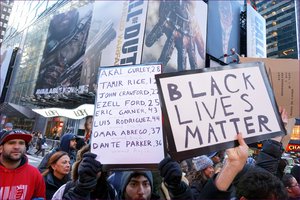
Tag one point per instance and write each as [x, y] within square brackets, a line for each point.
[281, 27]
[5, 8]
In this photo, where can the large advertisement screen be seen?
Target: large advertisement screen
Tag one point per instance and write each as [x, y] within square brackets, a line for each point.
[256, 34]
[223, 29]
[65, 46]
[115, 37]
[176, 34]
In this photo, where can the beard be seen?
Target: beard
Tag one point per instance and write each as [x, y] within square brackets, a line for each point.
[11, 158]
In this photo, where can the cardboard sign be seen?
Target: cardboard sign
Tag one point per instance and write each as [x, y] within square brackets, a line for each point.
[127, 126]
[204, 109]
[284, 78]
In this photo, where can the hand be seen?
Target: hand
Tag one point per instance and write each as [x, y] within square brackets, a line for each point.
[170, 170]
[234, 163]
[237, 156]
[88, 170]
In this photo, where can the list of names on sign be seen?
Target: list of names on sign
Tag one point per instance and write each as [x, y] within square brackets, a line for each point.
[127, 127]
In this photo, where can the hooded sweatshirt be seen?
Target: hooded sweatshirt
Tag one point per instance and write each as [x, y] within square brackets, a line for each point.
[63, 146]
[24, 182]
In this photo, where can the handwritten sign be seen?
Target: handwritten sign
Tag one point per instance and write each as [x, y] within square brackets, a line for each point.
[204, 111]
[127, 126]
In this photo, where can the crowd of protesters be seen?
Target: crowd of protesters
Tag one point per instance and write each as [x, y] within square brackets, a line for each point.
[71, 171]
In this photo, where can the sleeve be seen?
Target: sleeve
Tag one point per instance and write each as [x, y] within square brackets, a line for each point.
[210, 191]
[76, 192]
[39, 187]
[59, 193]
[181, 191]
[43, 164]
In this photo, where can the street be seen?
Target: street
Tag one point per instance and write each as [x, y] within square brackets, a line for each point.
[34, 160]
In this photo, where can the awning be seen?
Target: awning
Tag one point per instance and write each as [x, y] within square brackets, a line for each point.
[14, 110]
[76, 113]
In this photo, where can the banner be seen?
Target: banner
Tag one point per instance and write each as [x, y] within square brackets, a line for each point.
[5, 61]
[77, 113]
[116, 37]
[223, 29]
[176, 34]
[256, 34]
[205, 109]
[63, 53]
[127, 126]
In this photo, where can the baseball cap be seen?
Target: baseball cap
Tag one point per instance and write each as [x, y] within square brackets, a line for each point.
[14, 134]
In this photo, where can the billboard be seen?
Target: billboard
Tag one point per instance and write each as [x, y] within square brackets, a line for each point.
[65, 46]
[115, 38]
[256, 34]
[176, 34]
[223, 29]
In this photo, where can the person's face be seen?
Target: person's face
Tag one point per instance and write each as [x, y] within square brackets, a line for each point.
[73, 144]
[216, 159]
[62, 165]
[294, 189]
[8, 128]
[184, 166]
[13, 150]
[89, 123]
[209, 171]
[138, 188]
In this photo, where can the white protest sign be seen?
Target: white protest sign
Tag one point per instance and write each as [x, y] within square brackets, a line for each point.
[127, 126]
[208, 109]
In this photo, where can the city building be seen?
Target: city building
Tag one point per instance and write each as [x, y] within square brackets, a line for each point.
[5, 10]
[281, 27]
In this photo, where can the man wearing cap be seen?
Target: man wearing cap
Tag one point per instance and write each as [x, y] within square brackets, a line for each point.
[67, 144]
[18, 179]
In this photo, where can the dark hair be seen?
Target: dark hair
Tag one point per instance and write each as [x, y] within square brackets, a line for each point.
[287, 180]
[258, 183]
[52, 160]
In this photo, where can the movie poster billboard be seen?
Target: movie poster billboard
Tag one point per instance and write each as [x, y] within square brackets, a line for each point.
[115, 38]
[65, 46]
[176, 34]
[223, 29]
[256, 34]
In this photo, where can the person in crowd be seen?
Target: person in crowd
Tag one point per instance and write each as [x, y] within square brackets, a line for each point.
[204, 170]
[39, 145]
[80, 143]
[295, 171]
[137, 185]
[187, 169]
[88, 180]
[57, 172]
[292, 186]
[256, 183]
[8, 127]
[88, 125]
[18, 179]
[67, 144]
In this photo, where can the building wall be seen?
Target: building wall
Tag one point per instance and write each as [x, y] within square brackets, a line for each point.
[281, 27]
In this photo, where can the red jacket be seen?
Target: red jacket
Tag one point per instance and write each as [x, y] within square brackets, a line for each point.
[22, 183]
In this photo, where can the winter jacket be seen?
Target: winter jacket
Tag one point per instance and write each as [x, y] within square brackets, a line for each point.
[24, 182]
[64, 146]
[53, 184]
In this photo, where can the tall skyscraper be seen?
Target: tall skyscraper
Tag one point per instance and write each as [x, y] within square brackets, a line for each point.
[281, 27]
[5, 8]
